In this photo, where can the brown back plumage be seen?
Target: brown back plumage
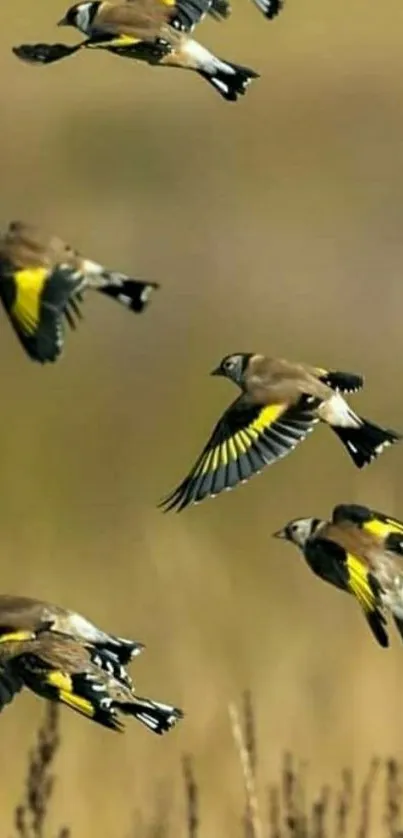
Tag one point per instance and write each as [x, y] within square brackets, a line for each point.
[274, 380]
[143, 19]
[27, 246]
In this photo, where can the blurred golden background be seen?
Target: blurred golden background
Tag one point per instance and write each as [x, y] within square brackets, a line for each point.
[273, 225]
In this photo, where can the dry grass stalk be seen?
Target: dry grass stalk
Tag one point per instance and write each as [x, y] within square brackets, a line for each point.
[192, 798]
[291, 813]
[393, 799]
[254, 823]
[366, 798]
[344, 804]
[30, 815]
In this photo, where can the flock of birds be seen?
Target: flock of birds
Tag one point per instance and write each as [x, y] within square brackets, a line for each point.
[59, 654]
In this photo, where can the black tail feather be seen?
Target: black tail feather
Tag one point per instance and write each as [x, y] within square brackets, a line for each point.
[230, 83]
[270, 8]
[365, 442]
[156, 716]
[132, 293]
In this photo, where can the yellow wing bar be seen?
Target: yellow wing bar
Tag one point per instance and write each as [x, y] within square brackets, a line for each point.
[239, 443]
[65, 690]
[359, 583]
[29, 285]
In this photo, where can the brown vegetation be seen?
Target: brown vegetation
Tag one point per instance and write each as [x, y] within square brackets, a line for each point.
[288, 809]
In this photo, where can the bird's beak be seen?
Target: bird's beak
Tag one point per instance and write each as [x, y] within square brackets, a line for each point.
[216, 371]
[279, 534]
[62, 22]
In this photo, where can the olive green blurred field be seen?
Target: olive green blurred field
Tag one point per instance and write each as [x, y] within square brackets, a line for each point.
[273, 225]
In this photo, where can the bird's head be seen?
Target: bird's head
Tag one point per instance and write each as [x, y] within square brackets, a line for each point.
[299, 530]
[234, 367]
[80, 16]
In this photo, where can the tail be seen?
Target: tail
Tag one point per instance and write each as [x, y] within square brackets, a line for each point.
[231, 80]
[123, 650]
[270, 8]
[343, 382]
[366, 441]
[132, 293]
[156, 716]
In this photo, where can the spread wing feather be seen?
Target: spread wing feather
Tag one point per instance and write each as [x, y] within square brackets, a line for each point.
[36, 303]
[247, 438]
[331, 562]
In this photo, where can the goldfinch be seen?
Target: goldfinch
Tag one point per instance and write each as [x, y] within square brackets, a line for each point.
[60, 669]
[382, 537]
[154, 31]
[361, 552]
[42, 282]
[23, 614]
[280, 403]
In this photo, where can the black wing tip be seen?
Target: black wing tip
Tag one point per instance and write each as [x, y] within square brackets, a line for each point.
[355, 512]
[169, 502]
[111, 720]
[173, 503]
[377, 623]
[40, 53]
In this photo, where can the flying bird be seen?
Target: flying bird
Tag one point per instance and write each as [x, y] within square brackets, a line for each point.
[280, 403]
[359, 551]
[63, 657]
[34, 616]
[42, 283]
[154, 31]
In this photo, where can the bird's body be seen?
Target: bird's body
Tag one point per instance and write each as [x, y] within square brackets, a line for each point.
[63, 657]
[42, 282]
[18, 613]
[154, 31]
[280, 403]
[360, 551]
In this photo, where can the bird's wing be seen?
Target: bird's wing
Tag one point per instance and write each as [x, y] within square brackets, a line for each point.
[10, 685]
[64, 671]
[186, 14]
[246, 438]
[36, 301]
[347, 571]
[388, 531]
